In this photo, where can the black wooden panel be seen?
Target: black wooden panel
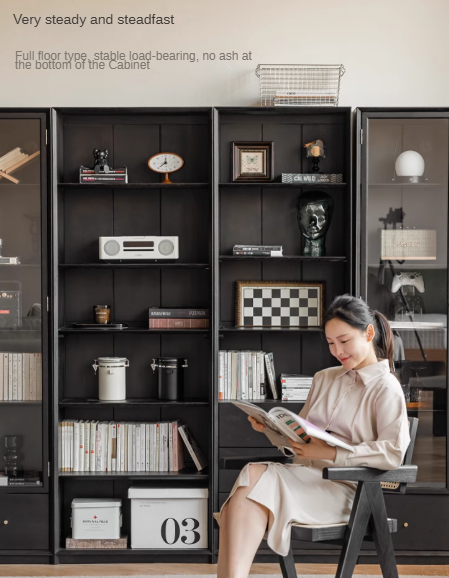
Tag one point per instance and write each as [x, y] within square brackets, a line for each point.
[136, 212]
[185, 288]
[85, 288]
[196, 349]
[140, 351]
[79, 142]
[88, 215]
[135, 290]
[333, 275]
[142, 414]
[28, 522]
[133, 146]
[186, 214]
[427, 518]
[241, 131]
[235, 431]
[240, 218]
[286, 349]
[280, 224]
[315, 354]
[229, 273]
[81, 351]
[241, 341]
[335, 147]
[197, 420]
[281, 271]
[288, 146]
[192, 143]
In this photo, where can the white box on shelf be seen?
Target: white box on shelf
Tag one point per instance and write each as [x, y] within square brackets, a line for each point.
[96, 518]
[168, 517]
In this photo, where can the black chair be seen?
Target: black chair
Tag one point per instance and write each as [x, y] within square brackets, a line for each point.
[368, 520]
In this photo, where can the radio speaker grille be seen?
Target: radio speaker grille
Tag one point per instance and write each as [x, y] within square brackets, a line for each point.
[166, 247]
[111, 248]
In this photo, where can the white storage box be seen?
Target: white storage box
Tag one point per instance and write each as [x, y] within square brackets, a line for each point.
[96, 519]
[168, 517]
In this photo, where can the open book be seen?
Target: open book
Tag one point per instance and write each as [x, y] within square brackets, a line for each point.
[285, 423]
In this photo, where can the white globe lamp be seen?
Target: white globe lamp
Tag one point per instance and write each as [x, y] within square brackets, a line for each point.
[410, 167]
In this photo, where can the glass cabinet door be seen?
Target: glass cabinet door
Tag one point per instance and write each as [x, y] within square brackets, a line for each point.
[22, 302]
[404, 266]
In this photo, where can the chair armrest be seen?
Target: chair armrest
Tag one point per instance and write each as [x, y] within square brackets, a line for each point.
[238, 462]
[404, 474]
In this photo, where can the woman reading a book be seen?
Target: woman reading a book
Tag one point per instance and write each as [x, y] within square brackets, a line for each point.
[361, 403]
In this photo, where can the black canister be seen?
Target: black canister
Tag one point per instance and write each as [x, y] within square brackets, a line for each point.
[170, 382]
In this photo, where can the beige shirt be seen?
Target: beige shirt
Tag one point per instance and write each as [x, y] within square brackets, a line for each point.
[366, 409]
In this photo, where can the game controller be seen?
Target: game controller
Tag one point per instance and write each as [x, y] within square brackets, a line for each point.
[408, 279]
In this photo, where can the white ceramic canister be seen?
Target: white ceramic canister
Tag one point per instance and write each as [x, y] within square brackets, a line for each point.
[111, 377]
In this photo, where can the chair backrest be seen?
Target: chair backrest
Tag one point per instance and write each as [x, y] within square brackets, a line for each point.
[397, 487]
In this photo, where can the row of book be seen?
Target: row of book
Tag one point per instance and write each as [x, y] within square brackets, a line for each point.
[178, 318]
[22, 479]
[295, 387]
[258, 250]
[246, 375]
[20, 376]
[93, 446]
[88, 175]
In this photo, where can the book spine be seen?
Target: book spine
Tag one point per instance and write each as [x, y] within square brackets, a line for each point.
[5, 377]
[98, 430]
[239, 374]
[157, 450]
[136, 448]
[86, 446]
[39, 376]
[157, 313]
[100, 179]
[259, 253]
[257, 248]
[76, 446]
[92, 458]
[114, 447]
[220, 375]
[1, 377]
[172, 323]
[129, 450]
[186, 440]
[122, 447]
[71, 446]
[20, 377]
[14, 376]
[32, 376]
[147, 447]
[142, 447]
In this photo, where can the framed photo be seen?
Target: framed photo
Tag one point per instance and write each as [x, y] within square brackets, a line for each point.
[252, 161]
[279, 303]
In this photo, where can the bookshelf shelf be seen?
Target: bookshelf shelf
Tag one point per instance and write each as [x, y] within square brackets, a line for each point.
[135, 185]
[75, 402]
[186, 474]
[155, 265]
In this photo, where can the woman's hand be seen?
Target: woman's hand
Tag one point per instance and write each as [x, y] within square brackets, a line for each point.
[316, 449]
[256, 425]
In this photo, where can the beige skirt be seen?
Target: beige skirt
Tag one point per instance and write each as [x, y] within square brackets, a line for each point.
[295, 495]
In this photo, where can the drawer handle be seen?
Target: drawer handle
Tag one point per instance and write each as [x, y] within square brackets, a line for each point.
[406, 525]
[5, 522]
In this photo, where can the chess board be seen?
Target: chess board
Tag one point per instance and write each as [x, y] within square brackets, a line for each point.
[279, 305]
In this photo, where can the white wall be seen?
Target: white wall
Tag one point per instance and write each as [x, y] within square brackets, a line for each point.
[395, 51]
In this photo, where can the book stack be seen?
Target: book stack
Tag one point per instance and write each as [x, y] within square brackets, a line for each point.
[93, 446]
[115, 176]
[258, 250]
[309, 97]
[178, 318]
[24, 479]
[295, 387]
[12, 161]
[245, 375]
[20, 377]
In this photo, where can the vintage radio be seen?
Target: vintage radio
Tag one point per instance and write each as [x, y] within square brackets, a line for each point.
[138, 248]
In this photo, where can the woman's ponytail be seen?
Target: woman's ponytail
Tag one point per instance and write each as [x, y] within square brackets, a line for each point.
[384, 340]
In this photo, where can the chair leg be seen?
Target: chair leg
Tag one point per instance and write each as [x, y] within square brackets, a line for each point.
[355, 532]
[381, 531]
[287, 564]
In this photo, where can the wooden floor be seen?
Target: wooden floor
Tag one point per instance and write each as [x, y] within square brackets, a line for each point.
[186, 569]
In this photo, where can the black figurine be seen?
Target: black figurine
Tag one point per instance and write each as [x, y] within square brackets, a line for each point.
[315, 150]
[101, 160]
[314, 218]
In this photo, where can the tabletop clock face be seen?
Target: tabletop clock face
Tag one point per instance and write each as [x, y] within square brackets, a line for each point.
[165, 162]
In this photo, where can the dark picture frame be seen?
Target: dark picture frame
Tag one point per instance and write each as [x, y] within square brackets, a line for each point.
[252, 161]
[279, 303]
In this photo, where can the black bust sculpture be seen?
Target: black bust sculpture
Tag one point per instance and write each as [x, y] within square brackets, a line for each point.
[314, 218]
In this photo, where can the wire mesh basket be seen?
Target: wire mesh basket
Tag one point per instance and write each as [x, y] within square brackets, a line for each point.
[299, 84]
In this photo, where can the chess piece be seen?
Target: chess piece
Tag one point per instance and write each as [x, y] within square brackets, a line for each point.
[314, 218]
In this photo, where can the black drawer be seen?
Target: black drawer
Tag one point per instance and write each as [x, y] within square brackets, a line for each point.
[24, 522]
[427, 519]
[236, 431]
